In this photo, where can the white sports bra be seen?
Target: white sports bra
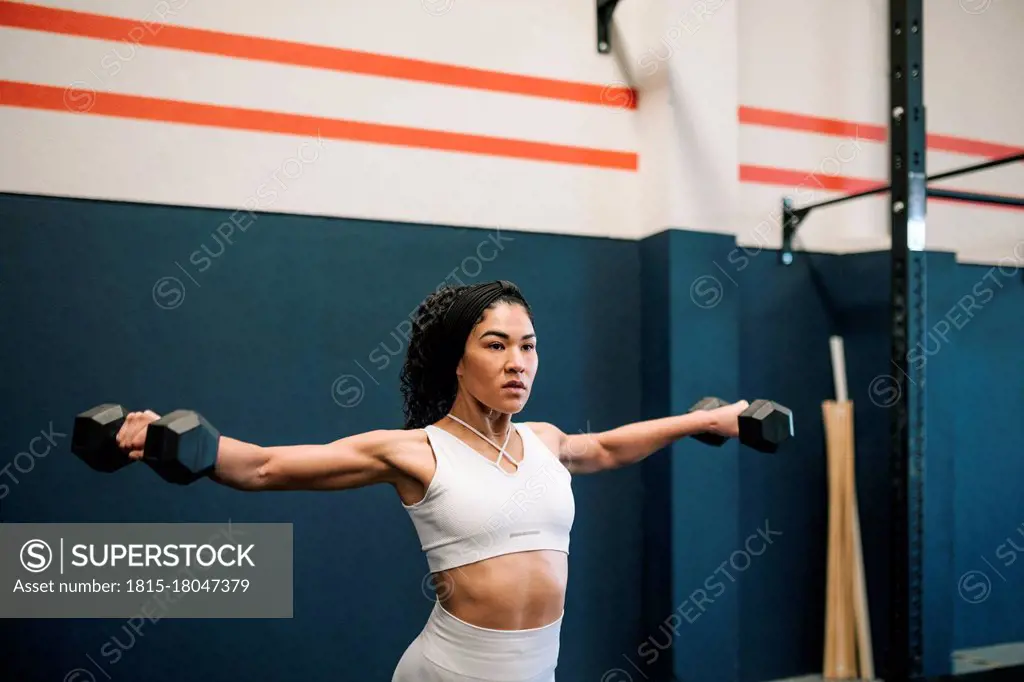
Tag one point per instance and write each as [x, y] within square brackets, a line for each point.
[474, 510]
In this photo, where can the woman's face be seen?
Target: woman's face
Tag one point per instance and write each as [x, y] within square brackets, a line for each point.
[500, 360]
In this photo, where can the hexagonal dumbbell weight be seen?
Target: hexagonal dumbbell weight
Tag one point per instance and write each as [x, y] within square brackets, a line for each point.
[181, 447]
[94, 438]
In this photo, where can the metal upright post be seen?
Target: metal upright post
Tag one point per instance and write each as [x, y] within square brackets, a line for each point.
[909, 285]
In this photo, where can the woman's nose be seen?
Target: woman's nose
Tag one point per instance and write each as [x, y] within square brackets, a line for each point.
[516, 363]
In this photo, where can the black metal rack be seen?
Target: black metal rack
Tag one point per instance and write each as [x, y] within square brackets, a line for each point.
[909, 190]
[792, 217]
[605, 10]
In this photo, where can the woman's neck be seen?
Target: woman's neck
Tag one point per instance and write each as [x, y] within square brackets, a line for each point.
[491, 423]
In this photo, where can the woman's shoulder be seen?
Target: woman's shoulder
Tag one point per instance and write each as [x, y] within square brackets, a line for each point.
[547, 433]
[390, 444]
[408, 451]
[402, 440]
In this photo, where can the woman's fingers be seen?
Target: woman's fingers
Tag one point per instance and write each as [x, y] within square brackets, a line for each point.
[132, 435]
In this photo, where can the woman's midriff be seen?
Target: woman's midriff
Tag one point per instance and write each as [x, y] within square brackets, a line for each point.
[510, 592]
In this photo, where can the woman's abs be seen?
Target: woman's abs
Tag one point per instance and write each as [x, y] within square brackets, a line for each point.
[510, 592]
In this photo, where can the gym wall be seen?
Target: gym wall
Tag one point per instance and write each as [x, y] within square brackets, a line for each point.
[439, 140]
[294, 335]
[485, 115]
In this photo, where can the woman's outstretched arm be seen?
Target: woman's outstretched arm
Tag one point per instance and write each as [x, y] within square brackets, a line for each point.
[586, 453]
[353, 462]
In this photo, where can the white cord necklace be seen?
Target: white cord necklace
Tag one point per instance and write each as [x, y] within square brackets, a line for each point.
[501, 449]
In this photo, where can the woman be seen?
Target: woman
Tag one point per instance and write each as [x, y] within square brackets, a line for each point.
[490, 499]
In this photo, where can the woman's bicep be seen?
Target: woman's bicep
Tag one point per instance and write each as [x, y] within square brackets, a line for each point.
[580, 453]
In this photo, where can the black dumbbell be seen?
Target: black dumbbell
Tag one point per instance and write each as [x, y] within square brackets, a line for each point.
[764, 426]
[181, 447]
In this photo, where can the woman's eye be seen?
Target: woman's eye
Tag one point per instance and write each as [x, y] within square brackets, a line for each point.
[528, 346]
[496, 346]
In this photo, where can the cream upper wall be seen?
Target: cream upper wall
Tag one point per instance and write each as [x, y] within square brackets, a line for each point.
[830, 59]
[694, 63]
[63, 153]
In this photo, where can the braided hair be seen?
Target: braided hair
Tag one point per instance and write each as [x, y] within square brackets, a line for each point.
[440, 327]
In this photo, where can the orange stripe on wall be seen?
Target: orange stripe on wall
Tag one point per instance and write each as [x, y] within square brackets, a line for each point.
[154, 34]
[962, 145]
[46, 97]
[868, 131]
[767, 175]
[811, 124]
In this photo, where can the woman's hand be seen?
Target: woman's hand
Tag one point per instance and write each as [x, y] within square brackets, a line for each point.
[725, 420]
[132, 436]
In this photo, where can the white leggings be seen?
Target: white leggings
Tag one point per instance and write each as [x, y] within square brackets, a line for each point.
[452, 650]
